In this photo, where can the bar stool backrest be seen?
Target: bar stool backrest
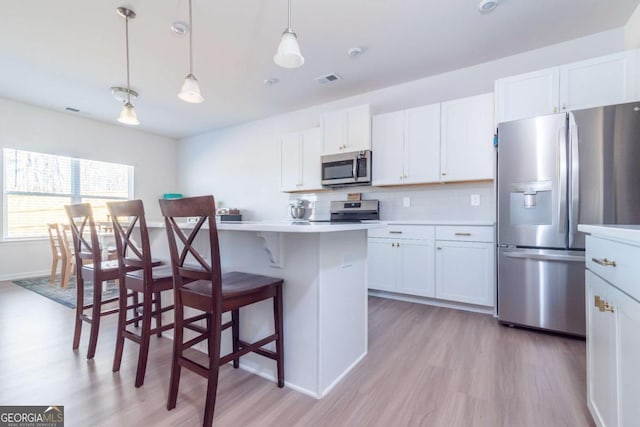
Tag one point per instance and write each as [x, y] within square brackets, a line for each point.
[80, 218]
[126, 217]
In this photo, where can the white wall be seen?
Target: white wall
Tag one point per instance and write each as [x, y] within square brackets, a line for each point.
[36, 129]
[632, 30]
[240, 165]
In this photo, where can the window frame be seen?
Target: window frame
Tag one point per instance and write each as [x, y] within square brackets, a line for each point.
[74, 196]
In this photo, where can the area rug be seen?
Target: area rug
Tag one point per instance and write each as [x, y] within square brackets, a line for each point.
[65, 296]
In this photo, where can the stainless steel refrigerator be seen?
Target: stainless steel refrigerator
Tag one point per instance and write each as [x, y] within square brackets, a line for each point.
[555, 172]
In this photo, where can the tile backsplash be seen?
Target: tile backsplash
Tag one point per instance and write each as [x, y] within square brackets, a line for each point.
[428, 202]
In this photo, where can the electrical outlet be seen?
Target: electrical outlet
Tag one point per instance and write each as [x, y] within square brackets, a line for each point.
[475, 200]
[406, 202]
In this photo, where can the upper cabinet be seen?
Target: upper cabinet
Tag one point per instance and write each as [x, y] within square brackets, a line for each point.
[605, 80]
[406, 146]
[300, 160]
[346, 130]
[527, 95]
[466, 150]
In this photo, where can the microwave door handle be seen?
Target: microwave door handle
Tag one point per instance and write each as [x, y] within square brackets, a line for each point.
[355, 170]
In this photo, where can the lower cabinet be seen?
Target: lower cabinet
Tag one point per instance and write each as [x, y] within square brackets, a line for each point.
[409, 260]
[401, 265]
[464, 272]
[613, 334]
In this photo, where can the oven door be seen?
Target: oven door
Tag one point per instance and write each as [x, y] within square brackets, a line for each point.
[347, 169]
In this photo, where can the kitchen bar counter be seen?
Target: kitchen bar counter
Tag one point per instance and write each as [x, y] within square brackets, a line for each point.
[325, 294]
[629, 233]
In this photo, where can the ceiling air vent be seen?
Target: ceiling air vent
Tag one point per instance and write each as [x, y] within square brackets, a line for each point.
[73, 110]
[328, 78]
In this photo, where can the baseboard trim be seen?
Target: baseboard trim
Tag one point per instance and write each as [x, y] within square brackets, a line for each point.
[433, 302]
[27, 275]
[342, 375]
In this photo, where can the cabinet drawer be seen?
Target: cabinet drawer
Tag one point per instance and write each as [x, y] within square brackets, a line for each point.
[601, 255]
[463, 233]
[415, 232]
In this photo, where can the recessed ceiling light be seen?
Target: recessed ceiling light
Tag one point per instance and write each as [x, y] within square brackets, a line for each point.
[355, 52]
[180, 28]
[120, 93]
[486, 6]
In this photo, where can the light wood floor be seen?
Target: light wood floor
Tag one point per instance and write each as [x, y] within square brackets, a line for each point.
[426, 366]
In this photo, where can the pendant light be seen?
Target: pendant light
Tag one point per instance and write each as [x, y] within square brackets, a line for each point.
[128, 114]
[288, 54]
[190, 91]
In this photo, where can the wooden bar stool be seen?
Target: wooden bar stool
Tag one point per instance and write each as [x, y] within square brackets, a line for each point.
[147, 280]
[57, 250]
[212, 293]
[98, 271]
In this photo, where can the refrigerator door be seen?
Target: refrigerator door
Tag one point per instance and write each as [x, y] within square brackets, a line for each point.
[532, 182]
[604, 175]
[542, 288]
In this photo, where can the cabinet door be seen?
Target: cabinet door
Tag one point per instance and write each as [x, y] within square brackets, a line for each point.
[417, 276]
[387, 146]
[599, 81]
[358, 128]
[290, 160]
[467, 139]
[311, 146]
[528, 95]
[382, 264]
[465, 272]
[422, 144]
[601, 354]
[628, 319]
[334, 132]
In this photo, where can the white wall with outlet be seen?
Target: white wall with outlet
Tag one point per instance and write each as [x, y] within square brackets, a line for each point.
[240, 165]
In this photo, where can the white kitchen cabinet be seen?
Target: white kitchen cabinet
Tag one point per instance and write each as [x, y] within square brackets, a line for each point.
[604, 80]
[527, 95]
[613, 331]
[402, 262]
[465, 259]
[346, 130]
[599, 81]
[406, 146]
[300, 160]
[466, 144]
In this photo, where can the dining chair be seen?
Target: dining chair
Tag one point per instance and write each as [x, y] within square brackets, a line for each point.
[200, 285]
[146, 280]
[57, 251]
[86, 247]
[69, 262]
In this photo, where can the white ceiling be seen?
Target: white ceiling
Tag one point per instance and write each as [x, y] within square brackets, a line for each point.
[69, 52]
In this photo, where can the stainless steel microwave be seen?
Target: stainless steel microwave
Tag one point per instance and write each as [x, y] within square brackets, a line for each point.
[346, 169]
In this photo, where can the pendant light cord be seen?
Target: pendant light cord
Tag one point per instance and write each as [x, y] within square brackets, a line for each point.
[190, 41]
[288, 16]
[126, 32]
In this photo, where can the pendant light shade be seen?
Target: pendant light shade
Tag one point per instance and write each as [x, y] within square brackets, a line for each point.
[288, 54]
[128, 114]
[190, 91]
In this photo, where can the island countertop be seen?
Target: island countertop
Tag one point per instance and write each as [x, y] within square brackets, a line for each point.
[629, 233]
[284, 226]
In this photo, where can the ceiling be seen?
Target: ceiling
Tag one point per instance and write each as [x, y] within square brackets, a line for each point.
[68, 53]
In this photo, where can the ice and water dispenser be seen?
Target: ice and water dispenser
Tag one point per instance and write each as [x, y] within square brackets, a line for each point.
[531, 203]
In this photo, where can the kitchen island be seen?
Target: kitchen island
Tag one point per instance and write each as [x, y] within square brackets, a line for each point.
[324, 267]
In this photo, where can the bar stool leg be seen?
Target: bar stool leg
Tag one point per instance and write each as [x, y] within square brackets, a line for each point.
[277, 317]
[145, 336]
[235, 335]
[95, 317]
[214, 367]
[158, 308]
[178, 333]
[122, 324]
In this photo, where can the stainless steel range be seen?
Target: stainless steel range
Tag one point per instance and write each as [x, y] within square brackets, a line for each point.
[353, 211]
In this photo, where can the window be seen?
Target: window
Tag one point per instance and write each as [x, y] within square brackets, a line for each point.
[37, 186]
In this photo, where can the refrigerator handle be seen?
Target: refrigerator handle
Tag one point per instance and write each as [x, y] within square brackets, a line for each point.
[562, 179]
[574, 180]
[545, 257]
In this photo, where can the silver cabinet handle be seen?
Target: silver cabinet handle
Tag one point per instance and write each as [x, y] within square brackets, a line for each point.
[395, 232]
[604, 262]
[463, 234]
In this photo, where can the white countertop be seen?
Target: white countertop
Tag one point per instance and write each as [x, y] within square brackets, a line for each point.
[439, 222]
[630, 233]
[284, 226]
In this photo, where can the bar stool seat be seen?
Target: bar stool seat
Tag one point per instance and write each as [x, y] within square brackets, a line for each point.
[161, 278]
